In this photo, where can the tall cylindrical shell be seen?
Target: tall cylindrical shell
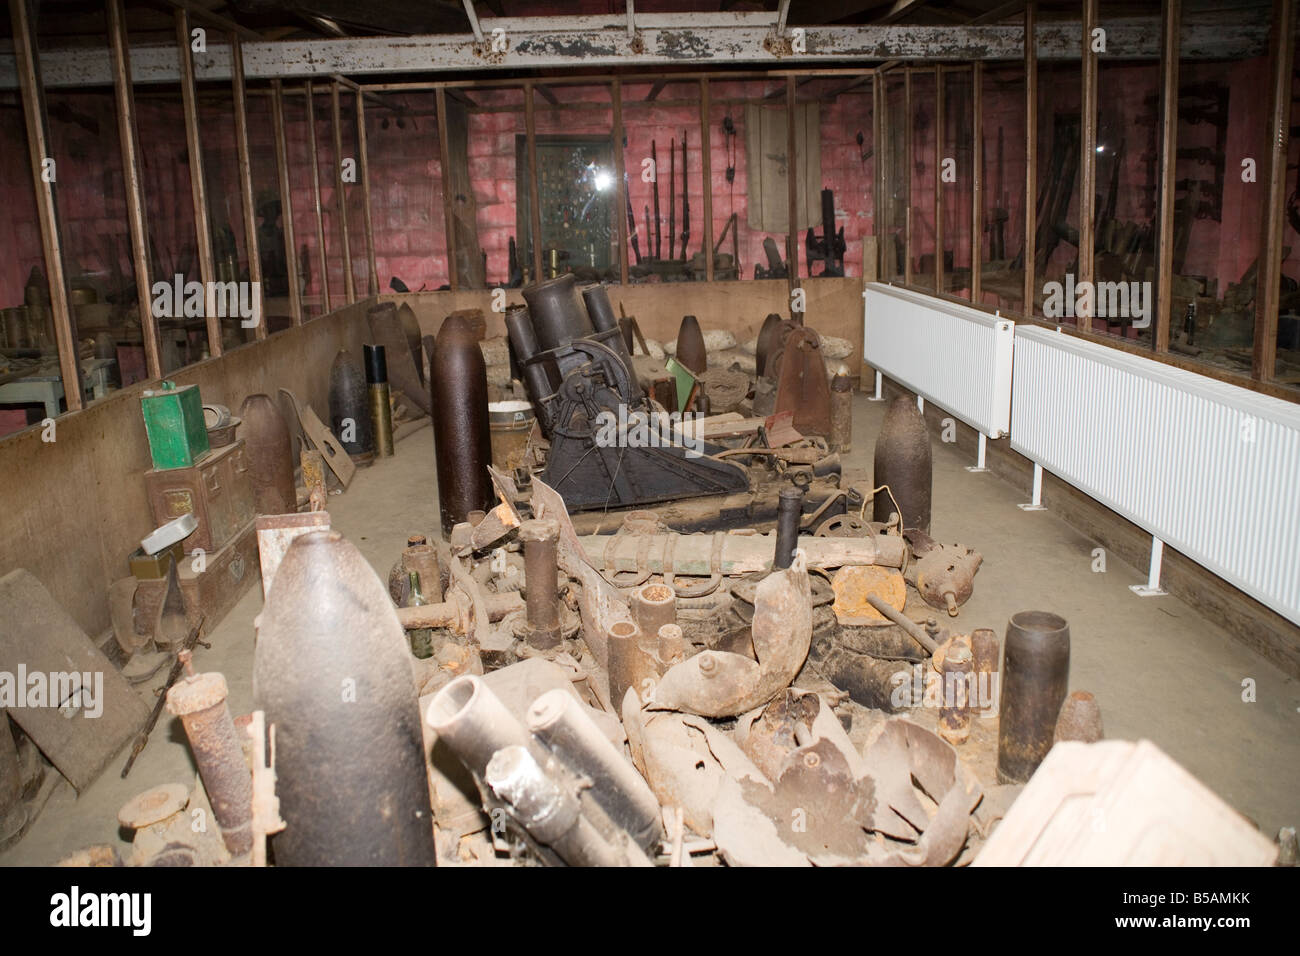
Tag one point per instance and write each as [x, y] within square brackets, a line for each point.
[1035, 677]
[349, 408]
[461, 433]
[332, 672]
[903, 463]
[270, 456]
[690, 345]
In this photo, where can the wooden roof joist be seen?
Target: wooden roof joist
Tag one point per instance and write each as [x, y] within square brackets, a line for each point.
[552, 43]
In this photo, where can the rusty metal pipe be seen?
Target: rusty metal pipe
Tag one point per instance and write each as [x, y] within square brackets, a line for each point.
[541, 565]
[454, 612]
[653, 606]
[1035, 679]
[461, 434]
[906, 623]
[841, 436]
[563, 725]
[789, 511]
[199, 700]
[954, 710]
[630, 664]
[470, 717]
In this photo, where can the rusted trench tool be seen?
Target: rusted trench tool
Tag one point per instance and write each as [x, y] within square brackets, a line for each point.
[142, 740]
[906, 623]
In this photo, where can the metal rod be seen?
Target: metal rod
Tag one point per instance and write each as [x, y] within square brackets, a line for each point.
[137, 220]
[246, 183]
[363, 164]
[620, 170]
[198, 187]
[1088, 158]
[340, 197]
[473, 20]
[792, 180]
[706, 179]
[286, 202]
[1269, 274]
[448, 211]
[977, 183]
[1031, 157]
[1171, 17]
[315, 188]
[903, 621]
[534, 200]
[940, 286]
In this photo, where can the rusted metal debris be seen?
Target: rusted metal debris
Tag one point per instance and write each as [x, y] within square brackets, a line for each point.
[945, 576]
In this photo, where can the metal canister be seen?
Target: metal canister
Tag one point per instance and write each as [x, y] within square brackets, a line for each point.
[841, 436]
[557, 312]
[902, 461]
[789, 512]
[332, 672]
[986, 652]
[349, 413]
[954, 709]
[461, 431]
[270, 456]
[1035, 679]
[541, 562]
[381, 411]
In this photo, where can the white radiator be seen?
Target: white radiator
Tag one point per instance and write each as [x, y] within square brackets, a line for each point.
[955, 356]
[1209, 468]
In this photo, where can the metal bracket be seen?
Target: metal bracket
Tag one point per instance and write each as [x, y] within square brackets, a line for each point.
[878, 397]
[1037, 503]
[978, 467]
[1152, 588]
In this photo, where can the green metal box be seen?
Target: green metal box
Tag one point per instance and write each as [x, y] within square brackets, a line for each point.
[173, 419]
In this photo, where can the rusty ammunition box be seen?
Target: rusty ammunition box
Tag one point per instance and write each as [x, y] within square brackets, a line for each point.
[213, 591]
[217, 491]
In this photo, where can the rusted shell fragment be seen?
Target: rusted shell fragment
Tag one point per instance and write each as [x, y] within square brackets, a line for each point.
[903, 462]
[1080, 719]
[945, 576]
[270, 456]
[802, 386]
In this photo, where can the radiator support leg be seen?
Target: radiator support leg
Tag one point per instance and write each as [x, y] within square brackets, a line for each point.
[979, 467]
[920, 404]
[1037, 503]
[878, 397]
[1152, 588]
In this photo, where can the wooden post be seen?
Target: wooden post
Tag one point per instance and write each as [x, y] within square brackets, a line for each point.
[198, 187]
[340, 197]
[448, 215]
[706, 178]
[363, 165]
[620, 171]
[940, 286]
[1088, 159]
[792, 181]
[326, 305]
[534, 199]
[878, 167]
[137, 221]
[246, 180]
[907, 175]
[1264, 363]
[1031, 157]
[977, 181]
[286, 202]
[1170, 23]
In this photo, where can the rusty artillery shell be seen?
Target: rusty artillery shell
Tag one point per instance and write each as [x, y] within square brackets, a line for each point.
[690, 345]
[270, 456]
[903, 463]
[673, 646]
[461, 434]
[653, 606]
[769, 338]
[841, 436]
[1080, 719]
[1035, 676]
[985, 683]
[332, 671]
[631, 665]
[381, 410]
[954, 710]
[541, 540]
[789, 511]
[349, 411]
[199, 700]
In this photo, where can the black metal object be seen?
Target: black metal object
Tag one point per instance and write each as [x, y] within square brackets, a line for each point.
[1035, 679]
[829, 248]
[461, 433]
[606, 448]
[789, 510]
[776, 267]
[349, 411]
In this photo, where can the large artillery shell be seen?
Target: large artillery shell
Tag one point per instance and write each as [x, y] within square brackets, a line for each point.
[690, 345]
[954, 708]
[381, 418]
[903, 463]
[841, 436]
[769, 338]
[461, 432]
[332, 672]
[1035, 676]
[349, 408]
[270, 456]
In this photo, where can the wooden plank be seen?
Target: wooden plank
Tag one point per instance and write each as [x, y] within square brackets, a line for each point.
[363, 165]
[444, 160]
[1088, 152]
[977, 183]
[128, 136]
[706, 170]
[315, 189]
[246, 183]
[286, 202]
[940, 285]
[620, 171]
[908, 162]
[792, 179]
[1170, 19]
[1031, 157]
[340, 194]
[198, 184]
[534, 193]
[1269, 274]
[79, 732]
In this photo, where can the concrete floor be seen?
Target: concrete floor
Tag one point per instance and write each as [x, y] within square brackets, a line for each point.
[1159, 671]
